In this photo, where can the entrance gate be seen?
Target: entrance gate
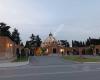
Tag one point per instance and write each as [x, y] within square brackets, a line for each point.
[54, 50]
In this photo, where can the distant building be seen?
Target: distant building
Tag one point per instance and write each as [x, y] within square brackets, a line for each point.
[52, 45]
[8, 48]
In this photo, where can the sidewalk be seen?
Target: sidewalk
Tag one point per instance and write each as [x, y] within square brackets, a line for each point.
[13, 64]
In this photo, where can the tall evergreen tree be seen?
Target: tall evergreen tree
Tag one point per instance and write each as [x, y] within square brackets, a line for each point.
[38, 41]
[72, 43]
[27, 45]
[35, 41]
[32, 37]
[16, 36]
[65, 43]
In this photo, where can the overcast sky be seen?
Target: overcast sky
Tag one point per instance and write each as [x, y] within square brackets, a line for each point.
[66, 19]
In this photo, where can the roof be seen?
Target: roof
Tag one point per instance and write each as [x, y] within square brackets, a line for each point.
[50, 39]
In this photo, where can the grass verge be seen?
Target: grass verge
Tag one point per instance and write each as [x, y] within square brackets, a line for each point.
[21, 59]
[81, 59]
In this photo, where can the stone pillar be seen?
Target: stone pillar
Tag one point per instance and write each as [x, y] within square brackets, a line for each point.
[80, 52]
[94, 52]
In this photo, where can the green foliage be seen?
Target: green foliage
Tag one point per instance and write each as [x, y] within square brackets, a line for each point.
[65, 43]
[35, 42]
[21, 59]
[43, 50]
[92, 41]
[78, 43]
[89, 51]
[16, 36]
[80, 59]
[28, 45]
[87, 43]
[4, 30]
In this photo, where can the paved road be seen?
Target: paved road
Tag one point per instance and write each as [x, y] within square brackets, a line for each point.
[53, 68]
[49, 60]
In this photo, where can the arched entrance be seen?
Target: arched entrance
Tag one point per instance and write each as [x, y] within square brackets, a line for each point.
[17, 52]
[97, 52]
[83, 52]
[89, 51]
[54, 50]
[75, 52]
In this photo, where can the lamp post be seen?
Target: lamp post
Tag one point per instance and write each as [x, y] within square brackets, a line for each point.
[62, 51]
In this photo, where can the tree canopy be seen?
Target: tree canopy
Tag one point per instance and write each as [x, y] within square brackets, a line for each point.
[4, 30]
[34, 42]
[90, 41]
[65, 43]
[16, 36]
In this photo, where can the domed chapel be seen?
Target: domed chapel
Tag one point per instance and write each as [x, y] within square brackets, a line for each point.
[52, 45]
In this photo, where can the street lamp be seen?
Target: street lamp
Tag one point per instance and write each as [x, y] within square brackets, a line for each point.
[62, 51]
[9, 45]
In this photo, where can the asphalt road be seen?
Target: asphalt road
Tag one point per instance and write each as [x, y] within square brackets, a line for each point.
[51, 68]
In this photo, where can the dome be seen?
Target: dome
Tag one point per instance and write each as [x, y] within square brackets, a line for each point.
[50, 39]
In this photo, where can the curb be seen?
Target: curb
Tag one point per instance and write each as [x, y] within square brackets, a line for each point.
[91, 62]
[14, 64]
